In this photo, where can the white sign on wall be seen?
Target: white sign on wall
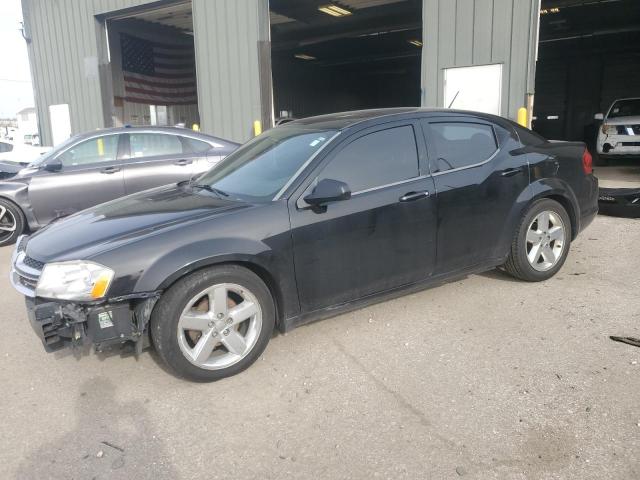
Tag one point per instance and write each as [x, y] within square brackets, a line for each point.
[60, 122]
[476, 88]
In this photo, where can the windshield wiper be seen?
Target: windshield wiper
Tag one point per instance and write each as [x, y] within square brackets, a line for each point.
[209, 188]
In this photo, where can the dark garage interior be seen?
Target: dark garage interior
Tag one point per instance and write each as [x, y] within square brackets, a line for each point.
[589, 55]
[365, 54]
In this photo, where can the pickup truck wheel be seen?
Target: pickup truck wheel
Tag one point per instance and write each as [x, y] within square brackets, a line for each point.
[213, 323]
[541, 244]
[12, 222]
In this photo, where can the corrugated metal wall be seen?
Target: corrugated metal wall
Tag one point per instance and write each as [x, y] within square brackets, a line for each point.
[68, 60]
[227, 38]
[458, 33]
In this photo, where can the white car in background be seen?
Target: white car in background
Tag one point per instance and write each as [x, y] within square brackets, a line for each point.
[19, 153]
[620, 131]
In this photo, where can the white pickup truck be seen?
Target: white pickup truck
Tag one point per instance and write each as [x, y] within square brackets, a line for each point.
[620, 131]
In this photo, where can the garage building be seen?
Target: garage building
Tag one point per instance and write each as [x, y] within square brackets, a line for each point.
[227, 64]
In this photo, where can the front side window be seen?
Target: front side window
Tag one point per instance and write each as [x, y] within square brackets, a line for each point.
[144, 145]
[94, 150]
[461, 144]
[376, 159]
[259, 169]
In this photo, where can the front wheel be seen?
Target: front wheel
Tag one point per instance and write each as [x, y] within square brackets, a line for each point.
[213, 323]
[541, 244]
[12, 222]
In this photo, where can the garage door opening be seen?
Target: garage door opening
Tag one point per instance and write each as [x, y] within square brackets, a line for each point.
[346, 55]
[153, 67]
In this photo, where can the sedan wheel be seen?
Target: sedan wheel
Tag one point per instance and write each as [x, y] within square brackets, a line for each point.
[11, 222]
[541, 243]
[219, 326]
[213, 323]
[545, 240]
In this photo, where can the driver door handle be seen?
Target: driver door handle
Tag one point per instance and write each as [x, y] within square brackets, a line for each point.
[183, 162]
[412, 196]
[110, 170]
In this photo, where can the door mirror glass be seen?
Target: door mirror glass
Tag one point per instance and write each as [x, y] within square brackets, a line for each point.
[53, 166]
[328, 190]
[598, 116]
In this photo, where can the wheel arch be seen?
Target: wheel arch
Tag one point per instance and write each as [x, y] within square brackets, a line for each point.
[248, 262]
[556, 189]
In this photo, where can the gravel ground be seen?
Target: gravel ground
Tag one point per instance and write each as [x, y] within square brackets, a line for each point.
[483, 378]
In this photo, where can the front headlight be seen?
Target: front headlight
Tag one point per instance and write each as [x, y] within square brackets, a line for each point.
[78, 280]
[609, 129]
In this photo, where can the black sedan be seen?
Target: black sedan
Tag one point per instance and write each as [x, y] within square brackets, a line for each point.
[305, 221]
[99, 166]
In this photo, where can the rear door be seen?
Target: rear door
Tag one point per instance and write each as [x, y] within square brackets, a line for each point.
[479, 174]
[155, 159]
[91, 173]
[383, 236]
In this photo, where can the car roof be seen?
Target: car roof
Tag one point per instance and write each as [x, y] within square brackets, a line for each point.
[344, 120]
[171, 130]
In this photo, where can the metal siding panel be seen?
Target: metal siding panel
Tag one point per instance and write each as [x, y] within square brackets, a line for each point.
[482, 31]
[519, 56]
[501, 44]
[446, 43]
[464, 32]
[226, 34]
[430, 34]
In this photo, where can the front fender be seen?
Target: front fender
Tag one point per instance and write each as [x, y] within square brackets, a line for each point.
[18, 193]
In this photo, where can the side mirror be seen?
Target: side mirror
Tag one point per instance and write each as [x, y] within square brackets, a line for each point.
[598, 116]
[53, 166]
[328, 190]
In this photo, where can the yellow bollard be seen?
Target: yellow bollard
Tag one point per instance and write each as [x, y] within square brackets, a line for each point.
[257, 128]
[195, 127]
[522, 117]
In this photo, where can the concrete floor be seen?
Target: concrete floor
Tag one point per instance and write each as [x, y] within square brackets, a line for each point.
[482, 378]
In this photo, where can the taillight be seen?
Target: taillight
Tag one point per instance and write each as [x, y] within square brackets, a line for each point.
[587, 162]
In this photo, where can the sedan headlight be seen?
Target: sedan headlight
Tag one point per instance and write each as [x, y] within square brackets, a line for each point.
[78, 280]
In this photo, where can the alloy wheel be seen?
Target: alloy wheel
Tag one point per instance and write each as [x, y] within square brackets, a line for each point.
[7, 223]
[545, 240]
[219, 326]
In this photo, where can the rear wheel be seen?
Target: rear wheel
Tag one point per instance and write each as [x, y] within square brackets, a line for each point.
[12, 222]
[213, 323]
[541, 244]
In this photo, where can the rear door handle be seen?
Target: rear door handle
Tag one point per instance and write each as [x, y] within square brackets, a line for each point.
[510, 172]
[110, 170]
[183, 162]
[412, 196]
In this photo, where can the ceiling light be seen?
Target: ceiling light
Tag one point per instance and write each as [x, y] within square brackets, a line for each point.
[304, 56]
[334, 10]
[416, 43]
[546, 11]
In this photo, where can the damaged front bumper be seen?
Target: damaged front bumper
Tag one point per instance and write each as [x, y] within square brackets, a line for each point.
[60, 325]
[620, 202]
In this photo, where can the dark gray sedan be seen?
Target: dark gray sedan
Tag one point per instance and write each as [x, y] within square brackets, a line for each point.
[97, 167]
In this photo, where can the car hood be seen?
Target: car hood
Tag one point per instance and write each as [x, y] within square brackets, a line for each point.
[128, 219]
[635, 120]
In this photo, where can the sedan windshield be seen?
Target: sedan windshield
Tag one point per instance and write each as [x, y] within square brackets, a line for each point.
[625, 108]
[258, 170]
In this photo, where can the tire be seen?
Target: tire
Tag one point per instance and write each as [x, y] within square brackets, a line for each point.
[196, 301]
[10, 217]
[541, 267]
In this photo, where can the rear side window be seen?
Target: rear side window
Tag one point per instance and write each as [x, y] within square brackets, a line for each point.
[5, 147]
[376, 159]
[461, 144]
[154, 145]
[191, 145]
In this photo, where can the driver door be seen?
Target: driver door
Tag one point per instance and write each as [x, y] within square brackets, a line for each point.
[91, 173]
[381, 238]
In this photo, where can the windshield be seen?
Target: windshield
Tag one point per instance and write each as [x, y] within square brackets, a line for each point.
[625, 108]
[258, 170]
[53, 152]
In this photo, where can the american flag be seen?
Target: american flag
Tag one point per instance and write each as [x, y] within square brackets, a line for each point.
[157, 73]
